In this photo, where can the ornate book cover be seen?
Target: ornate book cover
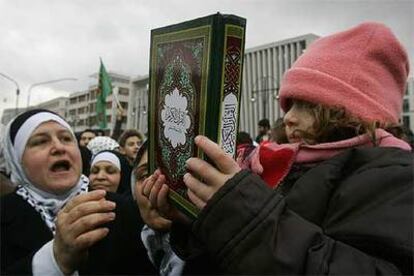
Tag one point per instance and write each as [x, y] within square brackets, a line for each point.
[195, 85]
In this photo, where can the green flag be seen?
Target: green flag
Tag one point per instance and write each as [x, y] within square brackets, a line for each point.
[104, 89]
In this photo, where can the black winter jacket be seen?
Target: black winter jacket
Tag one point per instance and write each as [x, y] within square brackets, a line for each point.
[352, 214]
[23, 233]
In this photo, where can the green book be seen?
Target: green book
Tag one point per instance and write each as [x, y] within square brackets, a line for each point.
[195, 87]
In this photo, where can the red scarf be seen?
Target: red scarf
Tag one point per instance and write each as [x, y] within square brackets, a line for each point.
[273, 161]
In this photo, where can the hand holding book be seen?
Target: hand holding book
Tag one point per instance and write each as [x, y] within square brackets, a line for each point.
[199, 192]
[156, 190]
[214, 178]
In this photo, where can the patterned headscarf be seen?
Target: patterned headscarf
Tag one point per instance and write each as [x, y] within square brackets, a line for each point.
[101, 143]
[14, 142]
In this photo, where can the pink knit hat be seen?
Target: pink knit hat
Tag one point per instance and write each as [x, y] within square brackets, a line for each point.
[363, 70]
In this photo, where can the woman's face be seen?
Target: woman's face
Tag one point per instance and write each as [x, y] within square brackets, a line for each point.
[51, 159]
[141, 171]
[297, 118]
[105, 176]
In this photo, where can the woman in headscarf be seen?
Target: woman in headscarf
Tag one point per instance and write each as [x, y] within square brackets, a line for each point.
[111, 172]
[70, 229]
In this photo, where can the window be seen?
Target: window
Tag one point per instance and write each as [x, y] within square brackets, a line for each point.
[92, 120]
[123, 91]
[406, 106]
[93, 95]
[124, 105]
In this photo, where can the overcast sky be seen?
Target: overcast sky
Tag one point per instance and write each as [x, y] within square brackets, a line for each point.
[43, 40]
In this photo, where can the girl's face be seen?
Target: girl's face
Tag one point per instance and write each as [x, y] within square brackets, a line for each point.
[51, 159]
[105, 176]
[298, 118]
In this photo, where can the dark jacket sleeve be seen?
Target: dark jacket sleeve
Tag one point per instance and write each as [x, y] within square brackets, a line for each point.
[117, 128]
[328, 224]
[22, 233]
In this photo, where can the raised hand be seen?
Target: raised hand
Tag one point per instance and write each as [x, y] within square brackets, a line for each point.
[155, 189]
[78, 228]
[200, 191]
[149, 214]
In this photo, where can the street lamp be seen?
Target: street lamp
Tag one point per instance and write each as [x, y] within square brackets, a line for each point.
[17, 90]
[265, 89]
[44, 82]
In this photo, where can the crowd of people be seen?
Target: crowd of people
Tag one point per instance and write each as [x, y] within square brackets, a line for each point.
[328, 189]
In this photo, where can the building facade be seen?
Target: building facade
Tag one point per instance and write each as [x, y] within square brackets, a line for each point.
[138, 100]
[57, 105]
[81, 113]
[9, 114]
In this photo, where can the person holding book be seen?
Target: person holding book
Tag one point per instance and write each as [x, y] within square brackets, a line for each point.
[155, 233]
[51, 224]
[338, 198]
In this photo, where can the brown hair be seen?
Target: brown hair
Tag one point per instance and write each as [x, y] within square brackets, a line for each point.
[129, 133]
[335, 124]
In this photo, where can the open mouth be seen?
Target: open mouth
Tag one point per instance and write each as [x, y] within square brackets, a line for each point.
[61, 166]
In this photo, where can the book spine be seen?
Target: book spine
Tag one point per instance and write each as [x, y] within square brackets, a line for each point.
[232, 64]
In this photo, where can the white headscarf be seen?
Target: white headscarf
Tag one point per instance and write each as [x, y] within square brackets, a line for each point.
[106, 156]
[47, 204]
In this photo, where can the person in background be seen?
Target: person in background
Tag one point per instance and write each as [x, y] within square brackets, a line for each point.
[244, 147]
[338, 199]
[110, 172]
[130, 142]
[71, 230]
[86, 156]
[86, 136]
[6, 186]
[101, 143]
[264, 127]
